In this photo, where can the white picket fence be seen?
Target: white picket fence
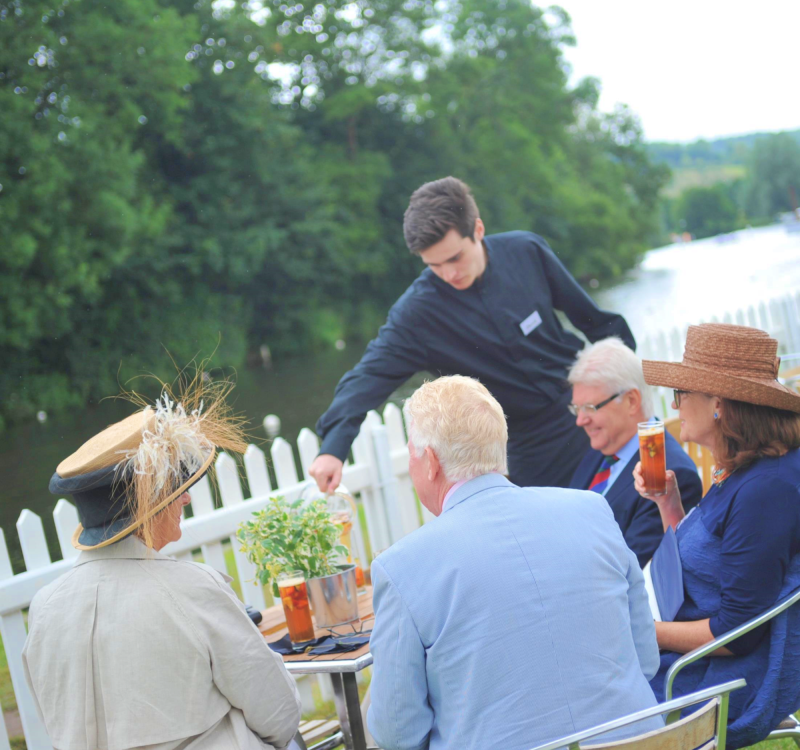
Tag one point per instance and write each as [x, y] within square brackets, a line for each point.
[378, 477]
[780, 317]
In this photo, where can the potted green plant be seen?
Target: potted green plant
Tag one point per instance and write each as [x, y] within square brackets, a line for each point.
[303, 536]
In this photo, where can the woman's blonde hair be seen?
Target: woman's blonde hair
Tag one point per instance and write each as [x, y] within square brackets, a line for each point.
[462, 423]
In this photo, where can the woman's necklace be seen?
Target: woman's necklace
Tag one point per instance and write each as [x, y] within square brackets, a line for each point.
[718, 476]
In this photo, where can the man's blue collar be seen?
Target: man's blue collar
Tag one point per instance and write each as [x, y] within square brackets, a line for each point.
[474, 486]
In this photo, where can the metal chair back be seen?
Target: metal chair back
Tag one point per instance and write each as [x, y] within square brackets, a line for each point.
[789, 728]
[705, 729]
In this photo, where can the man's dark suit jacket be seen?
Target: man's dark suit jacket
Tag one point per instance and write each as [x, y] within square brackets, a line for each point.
[637, 516]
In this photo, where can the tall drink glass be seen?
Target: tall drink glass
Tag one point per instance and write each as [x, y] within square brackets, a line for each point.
[294, 597]
[653, 457]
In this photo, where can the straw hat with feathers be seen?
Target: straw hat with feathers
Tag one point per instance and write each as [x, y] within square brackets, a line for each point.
[733, 362]
[124, 476]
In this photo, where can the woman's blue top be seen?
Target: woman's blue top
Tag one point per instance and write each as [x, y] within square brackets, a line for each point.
[739, 551]
[754, 519]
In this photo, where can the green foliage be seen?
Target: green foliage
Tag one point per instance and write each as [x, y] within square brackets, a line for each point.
[201, 177]
[708, 195]
[708, 211]
[292, 536]
[735, 150]
[774, 181]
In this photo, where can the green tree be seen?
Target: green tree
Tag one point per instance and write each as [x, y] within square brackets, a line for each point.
[774, 176]
[708, 211]
[196, 175]
[80, 84]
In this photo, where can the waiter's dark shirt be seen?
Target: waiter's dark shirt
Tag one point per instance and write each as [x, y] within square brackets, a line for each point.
[477, 332]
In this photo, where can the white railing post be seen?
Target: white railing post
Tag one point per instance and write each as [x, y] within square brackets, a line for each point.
[12, 634]
[763, 319]
[202, 505]
[364, 454]
[12, 627]
[283, 461]
[66, 518]
[792, 312]
[387, 486]
[230, 491]
[307, 447]
[393, 419]
[255, 466]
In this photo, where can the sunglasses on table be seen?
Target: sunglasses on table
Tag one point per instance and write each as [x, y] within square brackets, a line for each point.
[575, 409]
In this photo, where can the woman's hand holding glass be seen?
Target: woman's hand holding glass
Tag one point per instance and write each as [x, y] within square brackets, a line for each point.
[669, 504]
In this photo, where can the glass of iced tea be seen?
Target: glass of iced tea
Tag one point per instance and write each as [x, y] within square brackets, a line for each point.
[653, 457]
[294, 597]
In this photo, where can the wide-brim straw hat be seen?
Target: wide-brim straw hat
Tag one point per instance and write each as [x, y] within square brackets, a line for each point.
[733, 362]
[131, 471]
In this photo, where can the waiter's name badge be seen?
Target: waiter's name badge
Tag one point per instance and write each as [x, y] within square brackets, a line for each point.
[530, 323]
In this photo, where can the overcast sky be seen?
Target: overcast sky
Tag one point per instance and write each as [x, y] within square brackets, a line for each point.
[692, 69]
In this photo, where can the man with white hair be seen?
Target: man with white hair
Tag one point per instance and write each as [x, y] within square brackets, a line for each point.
[609, 399]
[518, 615]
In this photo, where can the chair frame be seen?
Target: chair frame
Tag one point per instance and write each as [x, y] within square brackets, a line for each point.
[672, 708]
[732, 635]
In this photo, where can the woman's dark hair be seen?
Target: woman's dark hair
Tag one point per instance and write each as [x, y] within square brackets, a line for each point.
[435, 209]
[750, 432]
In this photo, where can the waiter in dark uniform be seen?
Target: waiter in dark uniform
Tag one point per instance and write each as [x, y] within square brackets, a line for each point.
[484, 307]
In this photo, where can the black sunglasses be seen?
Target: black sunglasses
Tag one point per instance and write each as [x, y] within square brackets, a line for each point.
[678, 395]
[574, 409]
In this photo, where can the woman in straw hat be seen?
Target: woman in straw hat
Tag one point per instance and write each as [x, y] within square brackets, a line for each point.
[134, 649]
[739, 547]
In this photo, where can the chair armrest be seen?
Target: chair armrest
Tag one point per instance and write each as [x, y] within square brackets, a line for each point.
[726, 638]
[670, 707]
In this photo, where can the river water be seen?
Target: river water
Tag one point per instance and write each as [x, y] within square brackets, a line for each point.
[673, 286]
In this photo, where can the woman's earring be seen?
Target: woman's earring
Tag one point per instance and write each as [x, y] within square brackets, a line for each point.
[716, 416]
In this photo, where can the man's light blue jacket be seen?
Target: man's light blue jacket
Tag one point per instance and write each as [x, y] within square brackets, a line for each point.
[516, 617]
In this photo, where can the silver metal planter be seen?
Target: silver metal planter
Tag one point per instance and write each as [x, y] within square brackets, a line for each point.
[334, 598]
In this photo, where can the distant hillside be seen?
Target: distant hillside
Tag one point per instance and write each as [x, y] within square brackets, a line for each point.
[703, 153]
[704, 163]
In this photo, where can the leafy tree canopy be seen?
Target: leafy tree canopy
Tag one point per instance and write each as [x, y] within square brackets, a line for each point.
[207, 176]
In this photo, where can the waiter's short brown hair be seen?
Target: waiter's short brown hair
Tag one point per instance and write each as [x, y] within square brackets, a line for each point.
[435, 209]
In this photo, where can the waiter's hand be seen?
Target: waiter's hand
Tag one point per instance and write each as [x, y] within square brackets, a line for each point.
[327, 470]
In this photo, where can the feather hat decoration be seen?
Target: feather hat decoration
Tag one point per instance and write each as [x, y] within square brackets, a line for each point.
[124, 476]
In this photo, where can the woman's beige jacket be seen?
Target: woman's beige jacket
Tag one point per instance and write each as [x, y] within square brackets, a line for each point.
[133, 649]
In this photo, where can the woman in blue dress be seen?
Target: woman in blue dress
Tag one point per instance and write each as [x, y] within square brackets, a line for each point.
[739, 547]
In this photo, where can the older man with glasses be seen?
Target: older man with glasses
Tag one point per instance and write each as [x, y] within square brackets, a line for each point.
[609, 399]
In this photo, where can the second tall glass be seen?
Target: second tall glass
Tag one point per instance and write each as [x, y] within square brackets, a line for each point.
[294, 597]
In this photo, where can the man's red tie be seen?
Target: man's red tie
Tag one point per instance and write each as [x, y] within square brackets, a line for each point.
[600, 481]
